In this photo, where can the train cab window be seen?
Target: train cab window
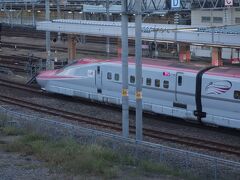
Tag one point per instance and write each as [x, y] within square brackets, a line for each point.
[148, 81]
[166, 84]
[236, 94]
[116, 77]
[179, 80]
[109, 76]
[157, 83]
[132, 79]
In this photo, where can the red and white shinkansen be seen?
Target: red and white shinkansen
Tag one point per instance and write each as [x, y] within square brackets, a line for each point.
[207, 94]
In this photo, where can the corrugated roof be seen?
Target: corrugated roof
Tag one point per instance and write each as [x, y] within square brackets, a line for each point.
[233, 29]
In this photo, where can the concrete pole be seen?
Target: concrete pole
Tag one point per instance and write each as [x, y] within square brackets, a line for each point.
[125, 105]
[138, 56]
[108, 38]
[48, 50]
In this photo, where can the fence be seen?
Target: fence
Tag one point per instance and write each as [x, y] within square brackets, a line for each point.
[190, 163]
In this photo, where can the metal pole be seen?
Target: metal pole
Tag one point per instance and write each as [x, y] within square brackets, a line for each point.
[33, 14]
[155, 43]
[47, 18]
[21, 16]
[11, 16]
[238, 50]
[125, 105]
[108, 38]
[138, 56]
[59, 17]
[0, 36]
[176, 21]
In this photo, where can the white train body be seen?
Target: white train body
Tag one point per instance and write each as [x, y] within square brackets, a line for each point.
[209, 95]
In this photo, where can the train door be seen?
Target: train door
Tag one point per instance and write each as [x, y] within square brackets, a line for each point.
[98, 81]
[178, 91]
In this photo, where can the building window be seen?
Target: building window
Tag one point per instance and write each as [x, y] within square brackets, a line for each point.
[166, 84]
[116, 77]
[157, 83]
[206, 19]
[236, 94]
[217, 19]
[148, 81]
[237, 20]
[109, 76]
[132, 79]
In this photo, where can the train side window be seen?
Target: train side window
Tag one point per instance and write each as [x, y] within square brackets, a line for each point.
[166, 84]
[157, 83]
[236, 94]
[116, 77]
[179, 80]
[148, 81]
[98, 69]
[109, 76]
[132, 79]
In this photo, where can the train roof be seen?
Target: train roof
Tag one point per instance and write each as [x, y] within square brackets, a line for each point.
[170, 64]
[147, 62]
[225, 71]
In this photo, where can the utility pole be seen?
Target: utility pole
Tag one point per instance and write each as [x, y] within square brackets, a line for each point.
[138, 69]
[125, 105]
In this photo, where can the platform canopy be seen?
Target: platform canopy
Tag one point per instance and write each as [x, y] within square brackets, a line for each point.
[159, 32]
[19, 1]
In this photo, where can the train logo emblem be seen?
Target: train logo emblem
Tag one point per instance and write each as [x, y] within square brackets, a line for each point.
[90, 73]
[218, 87]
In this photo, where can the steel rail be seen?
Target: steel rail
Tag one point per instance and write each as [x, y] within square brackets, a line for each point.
[156, 134]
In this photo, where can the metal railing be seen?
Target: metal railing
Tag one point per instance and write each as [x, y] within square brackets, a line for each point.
[189, 163]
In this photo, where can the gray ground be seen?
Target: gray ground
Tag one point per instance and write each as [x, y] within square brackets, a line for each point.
[15, 166]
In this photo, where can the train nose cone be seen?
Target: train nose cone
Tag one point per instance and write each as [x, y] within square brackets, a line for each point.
[44, 77]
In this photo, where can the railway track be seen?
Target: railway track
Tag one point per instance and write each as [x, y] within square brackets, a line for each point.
[42, 48]
[21, 63]
[33, 33]
[117, 126]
